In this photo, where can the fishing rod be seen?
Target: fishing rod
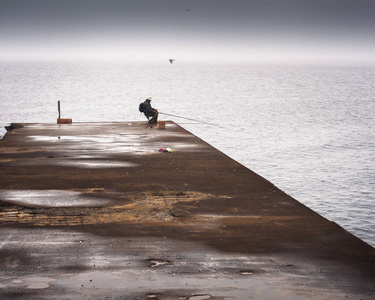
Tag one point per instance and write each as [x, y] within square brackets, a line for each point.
[187, 119]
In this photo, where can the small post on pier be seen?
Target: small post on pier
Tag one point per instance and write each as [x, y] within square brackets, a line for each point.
[59, 120]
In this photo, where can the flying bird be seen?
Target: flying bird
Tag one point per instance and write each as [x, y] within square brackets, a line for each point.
[171, 60]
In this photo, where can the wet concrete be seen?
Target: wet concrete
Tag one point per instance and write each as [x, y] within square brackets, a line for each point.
[95, 211]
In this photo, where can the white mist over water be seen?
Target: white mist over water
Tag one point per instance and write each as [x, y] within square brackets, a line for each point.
[307, 129]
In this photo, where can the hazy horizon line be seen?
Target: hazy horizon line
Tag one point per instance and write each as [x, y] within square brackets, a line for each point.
[177, 60]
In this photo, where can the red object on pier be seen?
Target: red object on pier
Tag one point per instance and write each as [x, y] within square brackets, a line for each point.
[64, 121]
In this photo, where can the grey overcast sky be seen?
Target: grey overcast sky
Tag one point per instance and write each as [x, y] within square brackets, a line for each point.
[188, 30]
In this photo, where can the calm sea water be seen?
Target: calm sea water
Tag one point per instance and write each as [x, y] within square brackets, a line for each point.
[310, 130]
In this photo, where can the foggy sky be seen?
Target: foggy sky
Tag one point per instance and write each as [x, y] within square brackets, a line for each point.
[188, 30]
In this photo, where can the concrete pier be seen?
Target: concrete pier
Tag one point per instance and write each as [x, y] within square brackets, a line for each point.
[97, 211]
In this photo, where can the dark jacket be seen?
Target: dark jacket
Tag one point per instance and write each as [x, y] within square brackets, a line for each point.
[148, 110]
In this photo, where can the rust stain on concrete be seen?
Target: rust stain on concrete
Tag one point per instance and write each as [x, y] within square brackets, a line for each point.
[140, 207]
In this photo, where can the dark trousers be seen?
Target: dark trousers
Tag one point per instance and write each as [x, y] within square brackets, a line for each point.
[153, 117]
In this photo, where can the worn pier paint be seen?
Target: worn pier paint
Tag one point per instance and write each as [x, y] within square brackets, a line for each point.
[95, 210]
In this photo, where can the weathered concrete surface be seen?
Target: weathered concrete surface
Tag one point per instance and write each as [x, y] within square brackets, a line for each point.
[95, 211]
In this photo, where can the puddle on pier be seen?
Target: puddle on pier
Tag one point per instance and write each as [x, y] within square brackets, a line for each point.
[73, 163]
[50, 198]
[199, 297]
[38, 286]
[158, 262]
[102, 144]
[95, 164]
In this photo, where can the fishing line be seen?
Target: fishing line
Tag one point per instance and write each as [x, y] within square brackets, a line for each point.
[187, 119]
